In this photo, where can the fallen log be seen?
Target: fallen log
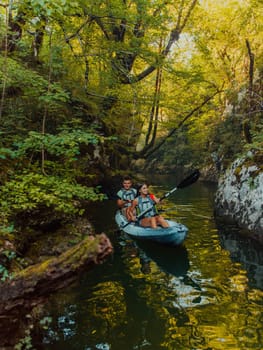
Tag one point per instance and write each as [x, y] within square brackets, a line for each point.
[32, 284]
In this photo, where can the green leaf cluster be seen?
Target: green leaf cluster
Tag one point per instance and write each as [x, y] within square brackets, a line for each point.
[257, 138]
[4, 273]
[7, 153]
[66, 144]
[8, 255]
[29, 191]
[26, 342]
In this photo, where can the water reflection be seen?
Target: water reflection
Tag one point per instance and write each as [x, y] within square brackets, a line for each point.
[172, 260]
[245, 251]
[204, 295]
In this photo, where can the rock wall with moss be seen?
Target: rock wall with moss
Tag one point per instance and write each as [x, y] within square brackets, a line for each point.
[239, 196]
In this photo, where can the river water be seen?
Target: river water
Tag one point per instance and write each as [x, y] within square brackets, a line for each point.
[204, 295]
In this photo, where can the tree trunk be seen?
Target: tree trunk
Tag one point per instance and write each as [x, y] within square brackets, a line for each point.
[153, 123]
[246, 123]
[145, 153]
[32, 284]
[15, 28]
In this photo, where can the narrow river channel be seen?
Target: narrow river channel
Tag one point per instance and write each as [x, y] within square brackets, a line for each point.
[205, 295]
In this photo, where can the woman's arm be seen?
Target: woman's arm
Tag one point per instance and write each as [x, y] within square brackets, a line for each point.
[154, 198]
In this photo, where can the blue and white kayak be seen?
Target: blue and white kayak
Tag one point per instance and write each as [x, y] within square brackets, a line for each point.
[175, 234]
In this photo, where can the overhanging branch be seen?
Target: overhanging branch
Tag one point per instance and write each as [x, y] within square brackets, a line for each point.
[189, 115]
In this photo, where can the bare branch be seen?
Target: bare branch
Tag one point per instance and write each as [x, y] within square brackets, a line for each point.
[189, 115]
[178, 25]
[102, 27]
[251, 67]
[191, 7]
[72, 36]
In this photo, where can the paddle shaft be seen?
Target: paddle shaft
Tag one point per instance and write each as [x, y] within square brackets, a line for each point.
[168, 193]
[186, 182]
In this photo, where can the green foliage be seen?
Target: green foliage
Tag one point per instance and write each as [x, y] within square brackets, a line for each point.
[90, 48]
[10, 254]
[25, 343]
[28, 95]
[4, 272]
[45, 322]
[32, 85]
[66, 144]
[29, 81]
[29, 191]
[5, 229]
[7, 153]
[257, 138]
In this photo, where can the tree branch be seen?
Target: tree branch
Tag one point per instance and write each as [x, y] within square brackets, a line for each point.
[101, 25]
[191, 7]
[251, 68]
[189, 115]
[72, 36]
[174, 36]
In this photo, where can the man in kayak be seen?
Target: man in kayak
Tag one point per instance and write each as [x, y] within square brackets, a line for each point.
[145, 202]
[125, 197]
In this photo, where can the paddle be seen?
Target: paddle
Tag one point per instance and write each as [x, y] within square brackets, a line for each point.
[189, 180]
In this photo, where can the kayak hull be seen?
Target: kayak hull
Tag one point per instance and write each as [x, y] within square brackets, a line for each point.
[175, 234]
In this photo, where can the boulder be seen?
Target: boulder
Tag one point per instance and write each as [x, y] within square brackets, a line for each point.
[239, 196]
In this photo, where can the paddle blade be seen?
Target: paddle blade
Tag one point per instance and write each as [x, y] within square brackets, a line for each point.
[190, 179]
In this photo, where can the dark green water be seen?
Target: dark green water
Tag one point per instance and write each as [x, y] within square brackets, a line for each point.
[205, 295]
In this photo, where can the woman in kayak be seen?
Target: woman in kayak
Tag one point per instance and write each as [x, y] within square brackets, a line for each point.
[145, 202]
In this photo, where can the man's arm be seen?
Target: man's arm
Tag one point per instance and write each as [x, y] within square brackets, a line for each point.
[121, 202]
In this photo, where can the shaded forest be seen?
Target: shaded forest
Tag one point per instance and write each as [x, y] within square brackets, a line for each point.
[94, 89]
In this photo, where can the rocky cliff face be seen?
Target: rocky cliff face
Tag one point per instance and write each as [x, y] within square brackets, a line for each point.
[240, 194]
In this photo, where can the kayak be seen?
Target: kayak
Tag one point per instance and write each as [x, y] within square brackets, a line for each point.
[175, 234]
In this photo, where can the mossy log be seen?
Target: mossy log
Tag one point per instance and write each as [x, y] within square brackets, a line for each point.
[31, 285]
